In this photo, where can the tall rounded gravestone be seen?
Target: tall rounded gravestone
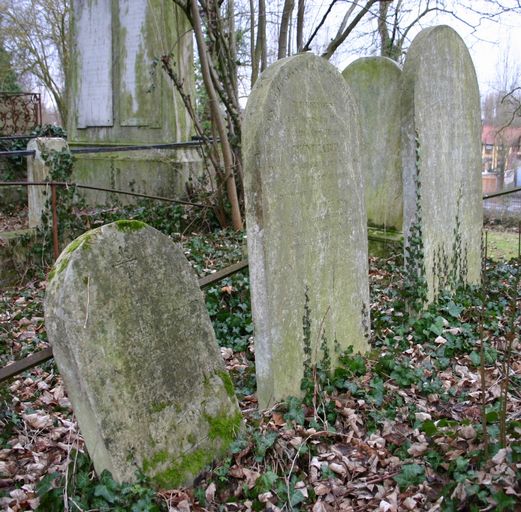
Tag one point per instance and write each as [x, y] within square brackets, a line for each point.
[375, 83]
[306, 222]
[137, 352]
[441, 133]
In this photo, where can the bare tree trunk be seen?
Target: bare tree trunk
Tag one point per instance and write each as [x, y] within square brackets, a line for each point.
[300, 25]
[284, 26]
[261, 33]
[230, 13]
[383, 32]
[255, 59]
[217, 117]
[259, 50]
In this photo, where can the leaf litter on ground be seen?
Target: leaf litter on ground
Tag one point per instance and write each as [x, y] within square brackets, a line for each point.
[399, 428]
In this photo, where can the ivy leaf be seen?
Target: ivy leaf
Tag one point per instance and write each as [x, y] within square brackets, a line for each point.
[454, 310]
[429, 427]
[503, 501]
[263, 443]
[411, 474]
[102, 491]
[296, 498]
[474, 357]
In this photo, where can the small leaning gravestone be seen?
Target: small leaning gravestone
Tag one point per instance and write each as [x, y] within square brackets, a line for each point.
[441, 152]
[138, 355]
[306, 222]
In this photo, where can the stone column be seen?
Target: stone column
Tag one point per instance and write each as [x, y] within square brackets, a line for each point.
[38, 170]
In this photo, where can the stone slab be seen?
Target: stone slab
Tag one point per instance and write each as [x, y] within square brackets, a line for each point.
[138, 355]
[117, 94]
[441, 134]
[306, 221]
[94, 52]
[139, 93]
[375, 84]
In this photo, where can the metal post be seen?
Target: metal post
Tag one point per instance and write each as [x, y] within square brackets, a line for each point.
[56, 249]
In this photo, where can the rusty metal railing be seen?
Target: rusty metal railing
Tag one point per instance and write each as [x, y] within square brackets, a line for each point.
[13, 369]
[20, 113]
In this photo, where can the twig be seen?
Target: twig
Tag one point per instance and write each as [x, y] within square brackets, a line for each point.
[88, 303]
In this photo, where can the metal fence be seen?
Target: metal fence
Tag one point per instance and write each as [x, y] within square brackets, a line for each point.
[504, 206]
[20, 113]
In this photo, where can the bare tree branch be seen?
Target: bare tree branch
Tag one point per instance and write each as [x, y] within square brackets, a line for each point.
[337, 41]
[322, 21]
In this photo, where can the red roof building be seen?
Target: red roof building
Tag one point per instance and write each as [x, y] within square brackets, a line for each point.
[500, 148]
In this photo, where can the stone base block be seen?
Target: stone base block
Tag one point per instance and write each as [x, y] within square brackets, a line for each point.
[384, 243]
[155, 172]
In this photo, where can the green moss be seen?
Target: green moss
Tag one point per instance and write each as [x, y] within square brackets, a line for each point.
[224, 427]
[83, 240]
[227, 381]
[127, 226]
[158, 407]
[182, 469]
[63, 260]
[384, 235]
[159, 458]
[58, 268]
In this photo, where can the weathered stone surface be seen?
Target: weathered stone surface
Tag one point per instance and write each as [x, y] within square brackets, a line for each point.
[306, 220]
[136, 349]
[120, 95]
[441, 157]
[38, 170]
[93, 30]
[375, 84]
[117, 95]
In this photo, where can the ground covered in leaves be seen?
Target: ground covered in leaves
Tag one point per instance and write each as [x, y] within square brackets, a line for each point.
[428, 420]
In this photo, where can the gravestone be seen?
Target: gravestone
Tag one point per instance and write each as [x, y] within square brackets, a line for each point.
[443, 207]
[375, 84]
[38, 170]
[136, 349]
[306, 222]
[121, 96]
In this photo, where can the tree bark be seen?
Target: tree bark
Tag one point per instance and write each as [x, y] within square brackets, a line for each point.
[217, 117]
[300, 25]
[284, 26]
[261, 36]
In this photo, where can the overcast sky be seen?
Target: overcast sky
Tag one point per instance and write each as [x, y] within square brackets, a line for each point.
[488, 43]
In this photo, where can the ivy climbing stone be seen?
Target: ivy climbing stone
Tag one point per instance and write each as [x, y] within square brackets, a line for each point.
[441, 151]
[306, 221]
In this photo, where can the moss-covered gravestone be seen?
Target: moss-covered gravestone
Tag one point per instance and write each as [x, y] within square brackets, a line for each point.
[441, 161]
[375, 84]
[306, 222]
[136, 349]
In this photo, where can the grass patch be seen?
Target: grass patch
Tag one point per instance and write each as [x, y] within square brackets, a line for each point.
[502, 245]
